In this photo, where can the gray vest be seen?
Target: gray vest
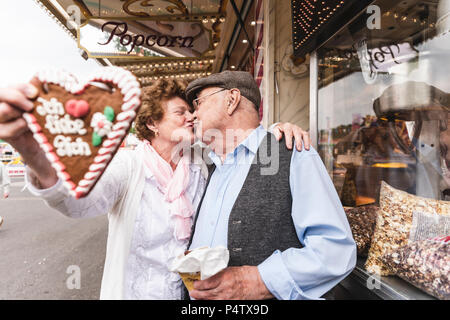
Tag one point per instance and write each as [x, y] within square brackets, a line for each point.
[260, 221]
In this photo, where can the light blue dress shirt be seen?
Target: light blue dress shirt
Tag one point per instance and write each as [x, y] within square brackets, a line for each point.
[329, 252]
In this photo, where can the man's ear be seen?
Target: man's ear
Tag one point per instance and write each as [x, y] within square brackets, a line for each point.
[233, 101]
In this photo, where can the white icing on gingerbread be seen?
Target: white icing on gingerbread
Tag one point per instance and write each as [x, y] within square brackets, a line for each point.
[119, 126]
[126, 115]
[65, 147]
[133, 92]
[50, 107]
[130, 104]
[40, 138]
[129, 85]
[103, 158]
[47, 147]
[96, 167]
[65, 125]
[34, 127]
[52, 157]
[91, 175]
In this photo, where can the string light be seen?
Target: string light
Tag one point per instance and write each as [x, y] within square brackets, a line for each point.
[406, 19]
[310, 15]
[174, 66]
[190, 76]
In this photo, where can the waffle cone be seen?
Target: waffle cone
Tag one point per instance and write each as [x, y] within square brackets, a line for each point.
[189, 278]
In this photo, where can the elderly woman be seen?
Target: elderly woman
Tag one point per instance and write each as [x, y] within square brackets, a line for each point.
[150, 195]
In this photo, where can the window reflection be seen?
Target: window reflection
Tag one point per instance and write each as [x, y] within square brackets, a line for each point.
[384, 101]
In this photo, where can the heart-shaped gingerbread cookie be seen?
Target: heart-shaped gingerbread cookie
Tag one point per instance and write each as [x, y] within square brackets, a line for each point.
[81, 126]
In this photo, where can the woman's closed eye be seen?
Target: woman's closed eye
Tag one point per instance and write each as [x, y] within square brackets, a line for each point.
[180, 111]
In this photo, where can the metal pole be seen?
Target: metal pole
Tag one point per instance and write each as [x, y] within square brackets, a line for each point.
[241, 22]
[313, 100]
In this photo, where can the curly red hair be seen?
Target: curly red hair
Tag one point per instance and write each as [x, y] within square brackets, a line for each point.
[151, 108]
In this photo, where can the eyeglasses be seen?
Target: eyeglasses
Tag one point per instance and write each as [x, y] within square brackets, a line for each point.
[198, 101]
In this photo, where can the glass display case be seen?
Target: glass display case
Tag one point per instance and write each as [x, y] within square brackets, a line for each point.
[380, 100]
[383, 100]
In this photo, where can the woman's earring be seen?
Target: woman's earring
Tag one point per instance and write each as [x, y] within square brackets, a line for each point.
[156, 132]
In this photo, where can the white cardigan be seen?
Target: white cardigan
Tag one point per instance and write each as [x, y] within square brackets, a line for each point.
[121, 216]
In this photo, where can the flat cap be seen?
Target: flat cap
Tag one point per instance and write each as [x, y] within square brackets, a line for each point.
[229, 80]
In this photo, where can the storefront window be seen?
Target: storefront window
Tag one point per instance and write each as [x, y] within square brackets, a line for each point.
[247, 53]
[383, 101]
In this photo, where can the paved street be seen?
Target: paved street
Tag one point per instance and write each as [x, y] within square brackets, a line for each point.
[38, 244]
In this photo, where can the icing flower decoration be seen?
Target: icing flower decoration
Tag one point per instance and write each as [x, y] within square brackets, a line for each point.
[102, 124]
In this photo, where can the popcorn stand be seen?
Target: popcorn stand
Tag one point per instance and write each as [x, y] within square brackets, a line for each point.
[379, 99]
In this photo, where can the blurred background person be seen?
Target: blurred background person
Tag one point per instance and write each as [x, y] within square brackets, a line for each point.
[5, 182]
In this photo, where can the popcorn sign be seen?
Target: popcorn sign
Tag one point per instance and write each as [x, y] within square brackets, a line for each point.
[101, 38]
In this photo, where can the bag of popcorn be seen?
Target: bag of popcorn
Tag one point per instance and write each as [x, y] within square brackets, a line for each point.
[425, 264]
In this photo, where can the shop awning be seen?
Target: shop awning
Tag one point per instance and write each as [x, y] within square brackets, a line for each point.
[315, 21]
[152, 38]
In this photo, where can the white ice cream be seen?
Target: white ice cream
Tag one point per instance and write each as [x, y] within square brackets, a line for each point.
[207, 261]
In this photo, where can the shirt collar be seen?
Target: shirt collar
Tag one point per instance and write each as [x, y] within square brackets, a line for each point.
[254, 139]
[140, 150]
[251, 143]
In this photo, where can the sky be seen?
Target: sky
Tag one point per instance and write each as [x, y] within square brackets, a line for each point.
[31, 41]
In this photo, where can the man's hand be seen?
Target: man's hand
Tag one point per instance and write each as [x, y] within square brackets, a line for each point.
[14, 101]
[5, 195]
[290, 131]
[233, 283]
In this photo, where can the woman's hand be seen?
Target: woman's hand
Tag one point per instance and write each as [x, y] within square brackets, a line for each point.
[14, 101]
[290, 131]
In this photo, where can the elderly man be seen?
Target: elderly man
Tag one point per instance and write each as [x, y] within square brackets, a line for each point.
[275, 209]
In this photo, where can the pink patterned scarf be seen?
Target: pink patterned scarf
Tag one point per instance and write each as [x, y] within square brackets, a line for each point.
[173, 185]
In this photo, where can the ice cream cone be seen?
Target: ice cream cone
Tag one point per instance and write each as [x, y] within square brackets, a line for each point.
[189, 278]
